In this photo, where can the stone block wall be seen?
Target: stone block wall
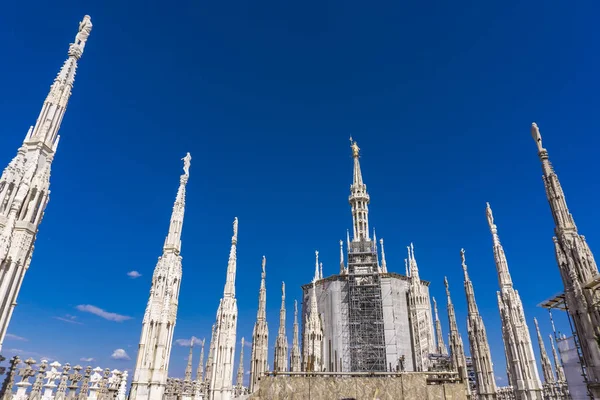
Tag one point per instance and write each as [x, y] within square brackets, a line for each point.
[408, 386]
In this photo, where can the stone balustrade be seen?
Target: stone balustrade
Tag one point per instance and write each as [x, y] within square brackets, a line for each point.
[60, 382]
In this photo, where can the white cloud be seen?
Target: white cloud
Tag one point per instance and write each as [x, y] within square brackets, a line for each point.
[120, 354]
[133, 274]
[84, 359]
[499, 378]
[247, 344]
[101, 313]
[71, 319]
[188, 342]
[15, 337]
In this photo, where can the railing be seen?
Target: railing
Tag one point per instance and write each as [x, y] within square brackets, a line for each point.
[74, 383]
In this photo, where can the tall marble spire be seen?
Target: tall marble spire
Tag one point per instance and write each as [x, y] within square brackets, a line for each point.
[577, 268]
[457, 349]
[317, 273]
[295, 357]
[546, 365]
[441, 346]
[342, 266]
[188, 368]
[240, 373]
[154, 351]
[211, 357]
[200, 370]
[560, 372]
[221, 386]
[312, 341]
[359, 199]
[25, 183]
[260, 335]
[383, 262]
[522, 368]
[421, 322]
[480, 348]
[281, 344]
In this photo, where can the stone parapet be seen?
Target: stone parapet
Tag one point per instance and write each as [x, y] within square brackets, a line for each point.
[352, 386]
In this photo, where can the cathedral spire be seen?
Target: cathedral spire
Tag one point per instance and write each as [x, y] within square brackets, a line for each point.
[317, 274]
[412, 263]
[560, 373]
[188, 368]
[262, 294]
[200, 370]
[48, 123]
[313, 335]
[281, 343]
[471, 303]
[501, 264]
[479, 345]
[441, 346]
[521, 366]
[546, 365]
[232, 264]
[173, 240]
[260, 335]
[383, 263]
[342, 267]
[295, 358]
[154, 351]
[240, 371]
[359, 199]
[577, 267]
[562, 217]
[457, 350]
[221, 381]
[25, 183]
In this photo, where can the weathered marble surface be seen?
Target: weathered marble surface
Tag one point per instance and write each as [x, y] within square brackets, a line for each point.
[409, 386]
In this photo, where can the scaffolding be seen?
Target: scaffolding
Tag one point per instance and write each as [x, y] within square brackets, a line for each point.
[559, 302]
[365, 311]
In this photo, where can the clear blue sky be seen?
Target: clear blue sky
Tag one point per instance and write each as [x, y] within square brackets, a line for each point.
[439, 96]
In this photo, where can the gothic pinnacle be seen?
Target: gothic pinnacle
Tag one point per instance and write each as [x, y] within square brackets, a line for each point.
[342, 267]
[383, 262]
[317, 275]
[232, 263]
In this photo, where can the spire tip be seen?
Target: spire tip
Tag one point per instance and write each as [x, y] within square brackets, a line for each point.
[537, 137]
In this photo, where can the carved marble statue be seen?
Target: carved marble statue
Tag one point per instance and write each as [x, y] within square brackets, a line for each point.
[186, 163]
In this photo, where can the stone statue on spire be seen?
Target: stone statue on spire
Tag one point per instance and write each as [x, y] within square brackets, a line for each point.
[85, 28]
[186, 163]
[354, 147]
[535, 133]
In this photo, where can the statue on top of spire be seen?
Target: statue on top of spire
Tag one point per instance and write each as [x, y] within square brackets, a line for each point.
[85, 27]
[464, 262]
[535, 133]
[186, 163]
[354, 147]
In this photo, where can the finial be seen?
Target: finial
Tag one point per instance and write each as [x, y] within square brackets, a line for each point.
[406, 267]
[186, 164]
[85, 28]
[535, 133]
[462, 256]
[235, 231]
[296, 307]
[446, 282]
[321, 270]
[264, 264]
[354, 147]
[316, 265]
[283, 290]
[490, 217]
[348, 237]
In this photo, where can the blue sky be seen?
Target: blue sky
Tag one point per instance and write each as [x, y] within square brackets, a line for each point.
[439, 96]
